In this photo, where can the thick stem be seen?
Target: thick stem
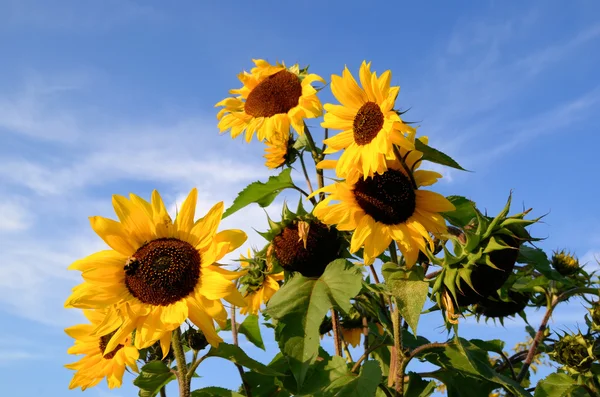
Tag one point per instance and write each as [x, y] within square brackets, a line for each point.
[316, 158]
[393, 252]
[399, 376]
[337, 337]
[234, 334]
[365, 355]
[182, 375]
[365, 324]
[536, 341]
[374, 273]
[405, 166]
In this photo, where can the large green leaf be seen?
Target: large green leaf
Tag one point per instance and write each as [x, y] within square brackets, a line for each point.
[464, 211]
[300, 306]
[555, 385]
[460, 385]
[538, 258]
[435, 156]
[250, 328]
[236, 355]
[365, 384]
[409, 289]
[152, 378]
[261, 193]
[215, 392]
[418, 387]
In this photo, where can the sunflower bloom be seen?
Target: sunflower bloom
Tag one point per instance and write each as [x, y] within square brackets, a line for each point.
[272, 99]
[276, 152]
[99, 362]
[386, 207]
[352, 335]
[159, 272]
[369, 124]
[261, 285]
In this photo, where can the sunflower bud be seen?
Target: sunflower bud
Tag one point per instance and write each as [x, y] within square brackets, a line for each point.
[565, 263]
[574, 352]
[196, 340]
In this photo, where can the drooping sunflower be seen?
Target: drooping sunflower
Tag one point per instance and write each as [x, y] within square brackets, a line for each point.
[98, 363]
[370, 125]
[159, 272]
[277, 150]
[272, 98]
[259, 283]
[386, 207]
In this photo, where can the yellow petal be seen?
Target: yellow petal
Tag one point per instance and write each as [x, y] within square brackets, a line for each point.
[113, 234]
[433, 202]
[185, 218]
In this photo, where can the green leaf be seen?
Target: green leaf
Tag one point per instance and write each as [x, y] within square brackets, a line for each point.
[236, 355]
[435, 156]
[261, 193]
[215, 392]
[460, 385]
[300, 306]
[365, 384]
[410, 292]
[494, 345]
[418, 387]
[538, 258]
[250, 328]
[152, 378]
[555, 385]
[464, 212]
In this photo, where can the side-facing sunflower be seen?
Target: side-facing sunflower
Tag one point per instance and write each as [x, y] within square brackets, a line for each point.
[98, 364]
[272, 98]
[159, 272]
[387, 207]
[258, 282]
[278, 150]
[370, 125]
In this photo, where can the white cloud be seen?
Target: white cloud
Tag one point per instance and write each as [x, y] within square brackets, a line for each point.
[14, 215]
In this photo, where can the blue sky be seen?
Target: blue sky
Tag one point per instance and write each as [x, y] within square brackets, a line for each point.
[98, 98]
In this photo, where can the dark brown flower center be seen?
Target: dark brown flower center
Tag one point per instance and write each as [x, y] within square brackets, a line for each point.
[103, 342]
[322, 247]
[388, 198]
[163, 271]
[367, 123]
[276, 94]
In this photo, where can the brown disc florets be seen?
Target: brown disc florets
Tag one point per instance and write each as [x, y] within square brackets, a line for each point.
[277, 94]
[367, 123]
[322, 247]
[388, 198]
[163, 271]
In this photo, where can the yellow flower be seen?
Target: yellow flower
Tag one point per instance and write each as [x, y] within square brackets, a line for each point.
[370, 126]
[272, 98]
[159, 272]
[352, 335]
[277, 150]
[99, 363]
[386, 207]
[263, 287]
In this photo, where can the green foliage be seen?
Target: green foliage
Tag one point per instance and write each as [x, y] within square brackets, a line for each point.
[464, 211]
[261, 193]
[435, 156]
[250, 328]
[236, 355]
[215, 392]
[409, 291]
[300, 306]
[418, 387]
[153, 376]
[555, 385]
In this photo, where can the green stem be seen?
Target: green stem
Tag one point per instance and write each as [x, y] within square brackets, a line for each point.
[163, 392]
[399, 376]
[312, 199]
[405, 166]
[310, 188]
[234, 333]
[316, 158]
[182, 378]
[393, 252]
[337, 338]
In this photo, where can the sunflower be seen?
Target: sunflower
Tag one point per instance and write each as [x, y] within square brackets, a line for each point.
[386, 207]
[99, 362]
[272, 98]
[370, 126]
[277, 150]
[159, 272]
[260, 284]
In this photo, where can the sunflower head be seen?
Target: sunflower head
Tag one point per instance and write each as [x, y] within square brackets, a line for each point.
[260, 281]
[301, 243]
[196, 339]
[496, 307]
[565, 263]
[326, 326]
[99, 361]
[574, 352]
[272, 98]
[159, 271]
[280, 151]
[485, 253]
[370, 126]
